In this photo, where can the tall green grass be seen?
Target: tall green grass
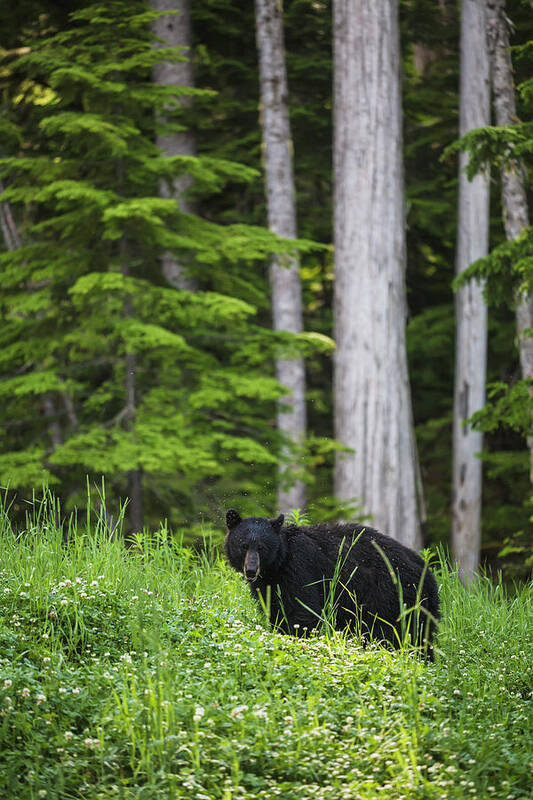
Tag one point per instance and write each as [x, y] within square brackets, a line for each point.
[149, 673]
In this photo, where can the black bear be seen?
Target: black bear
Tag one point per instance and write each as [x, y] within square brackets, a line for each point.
[347, 573]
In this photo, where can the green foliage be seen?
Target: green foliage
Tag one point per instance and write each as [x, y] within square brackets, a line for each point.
[508, 270]
[510, 406]
[152, 673]
[85, 290]
[507, 273]
[78, 120]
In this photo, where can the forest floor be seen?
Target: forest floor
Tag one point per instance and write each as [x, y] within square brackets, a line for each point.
[150, 674]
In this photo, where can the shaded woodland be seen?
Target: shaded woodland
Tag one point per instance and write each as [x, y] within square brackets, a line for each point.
[141, 340]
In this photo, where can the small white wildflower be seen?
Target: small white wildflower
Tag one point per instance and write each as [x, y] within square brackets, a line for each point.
[25, 692]
[198, 713]
[91, 744]
[41, 698]
[94, 583]
[76, 691]
[64, 602]
[46, 660]
[7, 590]
[7, 683]
[68, 735]
[237, 712]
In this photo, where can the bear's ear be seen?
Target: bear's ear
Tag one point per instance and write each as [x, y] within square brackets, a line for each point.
[232, 518]
[277, 523]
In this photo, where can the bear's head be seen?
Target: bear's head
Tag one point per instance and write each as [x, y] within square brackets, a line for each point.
[253, 545]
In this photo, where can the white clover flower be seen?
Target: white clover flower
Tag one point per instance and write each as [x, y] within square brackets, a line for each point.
[64, 602]
[41, 698]
[91, 744]
[238, 711]
[76, 691]
[199, 712]
[25, 692]
[68, 735]
[8, 683]
[7, 590]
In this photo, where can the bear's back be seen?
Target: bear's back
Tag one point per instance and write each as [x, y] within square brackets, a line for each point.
[367, 557]
[361, 544]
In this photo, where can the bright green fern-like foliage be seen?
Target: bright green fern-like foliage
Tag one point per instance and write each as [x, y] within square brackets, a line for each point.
[84, 294]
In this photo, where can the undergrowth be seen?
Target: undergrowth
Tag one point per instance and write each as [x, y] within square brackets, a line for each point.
[148, 673]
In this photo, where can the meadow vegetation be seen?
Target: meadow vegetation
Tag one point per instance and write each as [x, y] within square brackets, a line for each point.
[149, 673]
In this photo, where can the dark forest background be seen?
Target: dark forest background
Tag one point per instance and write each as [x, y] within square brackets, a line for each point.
[84, 291]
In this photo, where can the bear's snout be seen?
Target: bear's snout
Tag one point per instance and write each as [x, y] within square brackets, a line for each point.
[251, 565]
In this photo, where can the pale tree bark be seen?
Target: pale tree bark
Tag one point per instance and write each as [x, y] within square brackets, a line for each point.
[281, 205]
[514, 199]
[470, 306]
[372, 403]
[8, 225]
[175, 30]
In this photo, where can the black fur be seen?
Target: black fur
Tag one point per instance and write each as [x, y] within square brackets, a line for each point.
[298, 563]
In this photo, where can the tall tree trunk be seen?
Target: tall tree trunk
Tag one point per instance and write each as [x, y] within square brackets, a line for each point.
[285, 270]
[8, 225]
[175, 29]
[514, 199]
[372, 403]
[135, 508]
[471, 310]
